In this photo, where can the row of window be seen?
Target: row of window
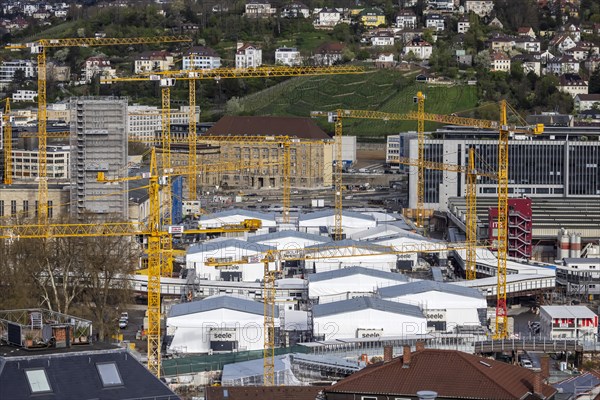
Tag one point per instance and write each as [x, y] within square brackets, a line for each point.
[25, 208]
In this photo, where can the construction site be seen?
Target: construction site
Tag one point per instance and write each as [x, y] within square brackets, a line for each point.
[269, 254]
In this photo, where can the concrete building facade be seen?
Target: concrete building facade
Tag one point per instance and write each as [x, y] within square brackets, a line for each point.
[98, 144]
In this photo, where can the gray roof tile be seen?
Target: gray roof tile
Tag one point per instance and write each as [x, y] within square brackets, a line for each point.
[364, 303]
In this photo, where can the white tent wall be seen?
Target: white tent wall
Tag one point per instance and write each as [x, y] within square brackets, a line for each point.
[345, 325]
[192, 331]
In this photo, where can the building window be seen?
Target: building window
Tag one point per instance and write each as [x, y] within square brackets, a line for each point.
[13, 208]
[50, 211]
[109, 374]
[368, 398]
[26, 208]
[1, 208]
[38, 380]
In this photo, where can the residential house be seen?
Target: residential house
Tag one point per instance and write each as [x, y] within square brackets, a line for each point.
[573, 30]
[463, 25]
[372, 17]
[495, 23]
[419, 48]
[435, 373]
[479, 7]
[528, 44]
[153, 61]
[259, 9]
[583, 51]
[562, 42]
[327, 18]
[186, 28]
[462, 58]
[385, 60]
[562, 65]
[97, 66]
[592, 63]
[529, 63]
[41, 15]
[383, 38]
[502, 43]
[288, 56]
[248, 56]
[203, 58]
[435, 22]
[406, 19]
[572, 84]
[295, 10]
[500, 62]
[16, 24]
[445, 5]
[61, 13]
[329, 54]
[24, 95]
[526, 31]
[584, 102]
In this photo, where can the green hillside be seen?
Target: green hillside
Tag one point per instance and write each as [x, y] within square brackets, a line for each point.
[380, 90]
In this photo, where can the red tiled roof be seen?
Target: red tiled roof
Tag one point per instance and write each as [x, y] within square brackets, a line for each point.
[452, 374]
[301, 128]
[262, 392]
[330, 48]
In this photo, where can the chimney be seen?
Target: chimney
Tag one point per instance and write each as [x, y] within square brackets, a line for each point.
[388, 353]
[405, 356]
[239, 44]
[419, 346]
[545, 366]
[537, 383]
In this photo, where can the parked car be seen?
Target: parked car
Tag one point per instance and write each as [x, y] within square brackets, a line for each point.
[125, 315]
[525, 363]
[123, 323]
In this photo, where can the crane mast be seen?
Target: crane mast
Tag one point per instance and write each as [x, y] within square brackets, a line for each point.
[471, 225]
[7, 145]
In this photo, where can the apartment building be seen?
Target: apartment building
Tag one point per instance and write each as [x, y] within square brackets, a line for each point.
[153, 61]
[248, 55]
[289, 56]
[9, 68]
[98, 144]
[204, 58]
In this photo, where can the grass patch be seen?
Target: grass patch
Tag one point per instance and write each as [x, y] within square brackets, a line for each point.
[380, 90]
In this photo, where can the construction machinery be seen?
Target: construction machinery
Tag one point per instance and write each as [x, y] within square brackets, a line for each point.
[39, 47]
[193, 75]
[501, 330]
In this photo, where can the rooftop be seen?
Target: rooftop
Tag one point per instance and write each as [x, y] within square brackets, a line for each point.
[339, 273]
[364, 303]
[428, 286]
[216, 302]
[301, 128]
[450, 373]
[568, 312]
[289, 234]
[222, 244]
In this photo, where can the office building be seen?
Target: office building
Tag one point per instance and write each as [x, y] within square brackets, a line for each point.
[98, 144]
[562, 163]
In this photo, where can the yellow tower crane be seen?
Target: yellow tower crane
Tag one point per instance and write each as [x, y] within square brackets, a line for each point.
[154, 231]
[471, 173]
[39, 47]
[193, 75]
[501, 330]
[7, 144]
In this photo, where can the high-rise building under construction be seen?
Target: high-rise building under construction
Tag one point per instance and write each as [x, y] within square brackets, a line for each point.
[98, 143]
